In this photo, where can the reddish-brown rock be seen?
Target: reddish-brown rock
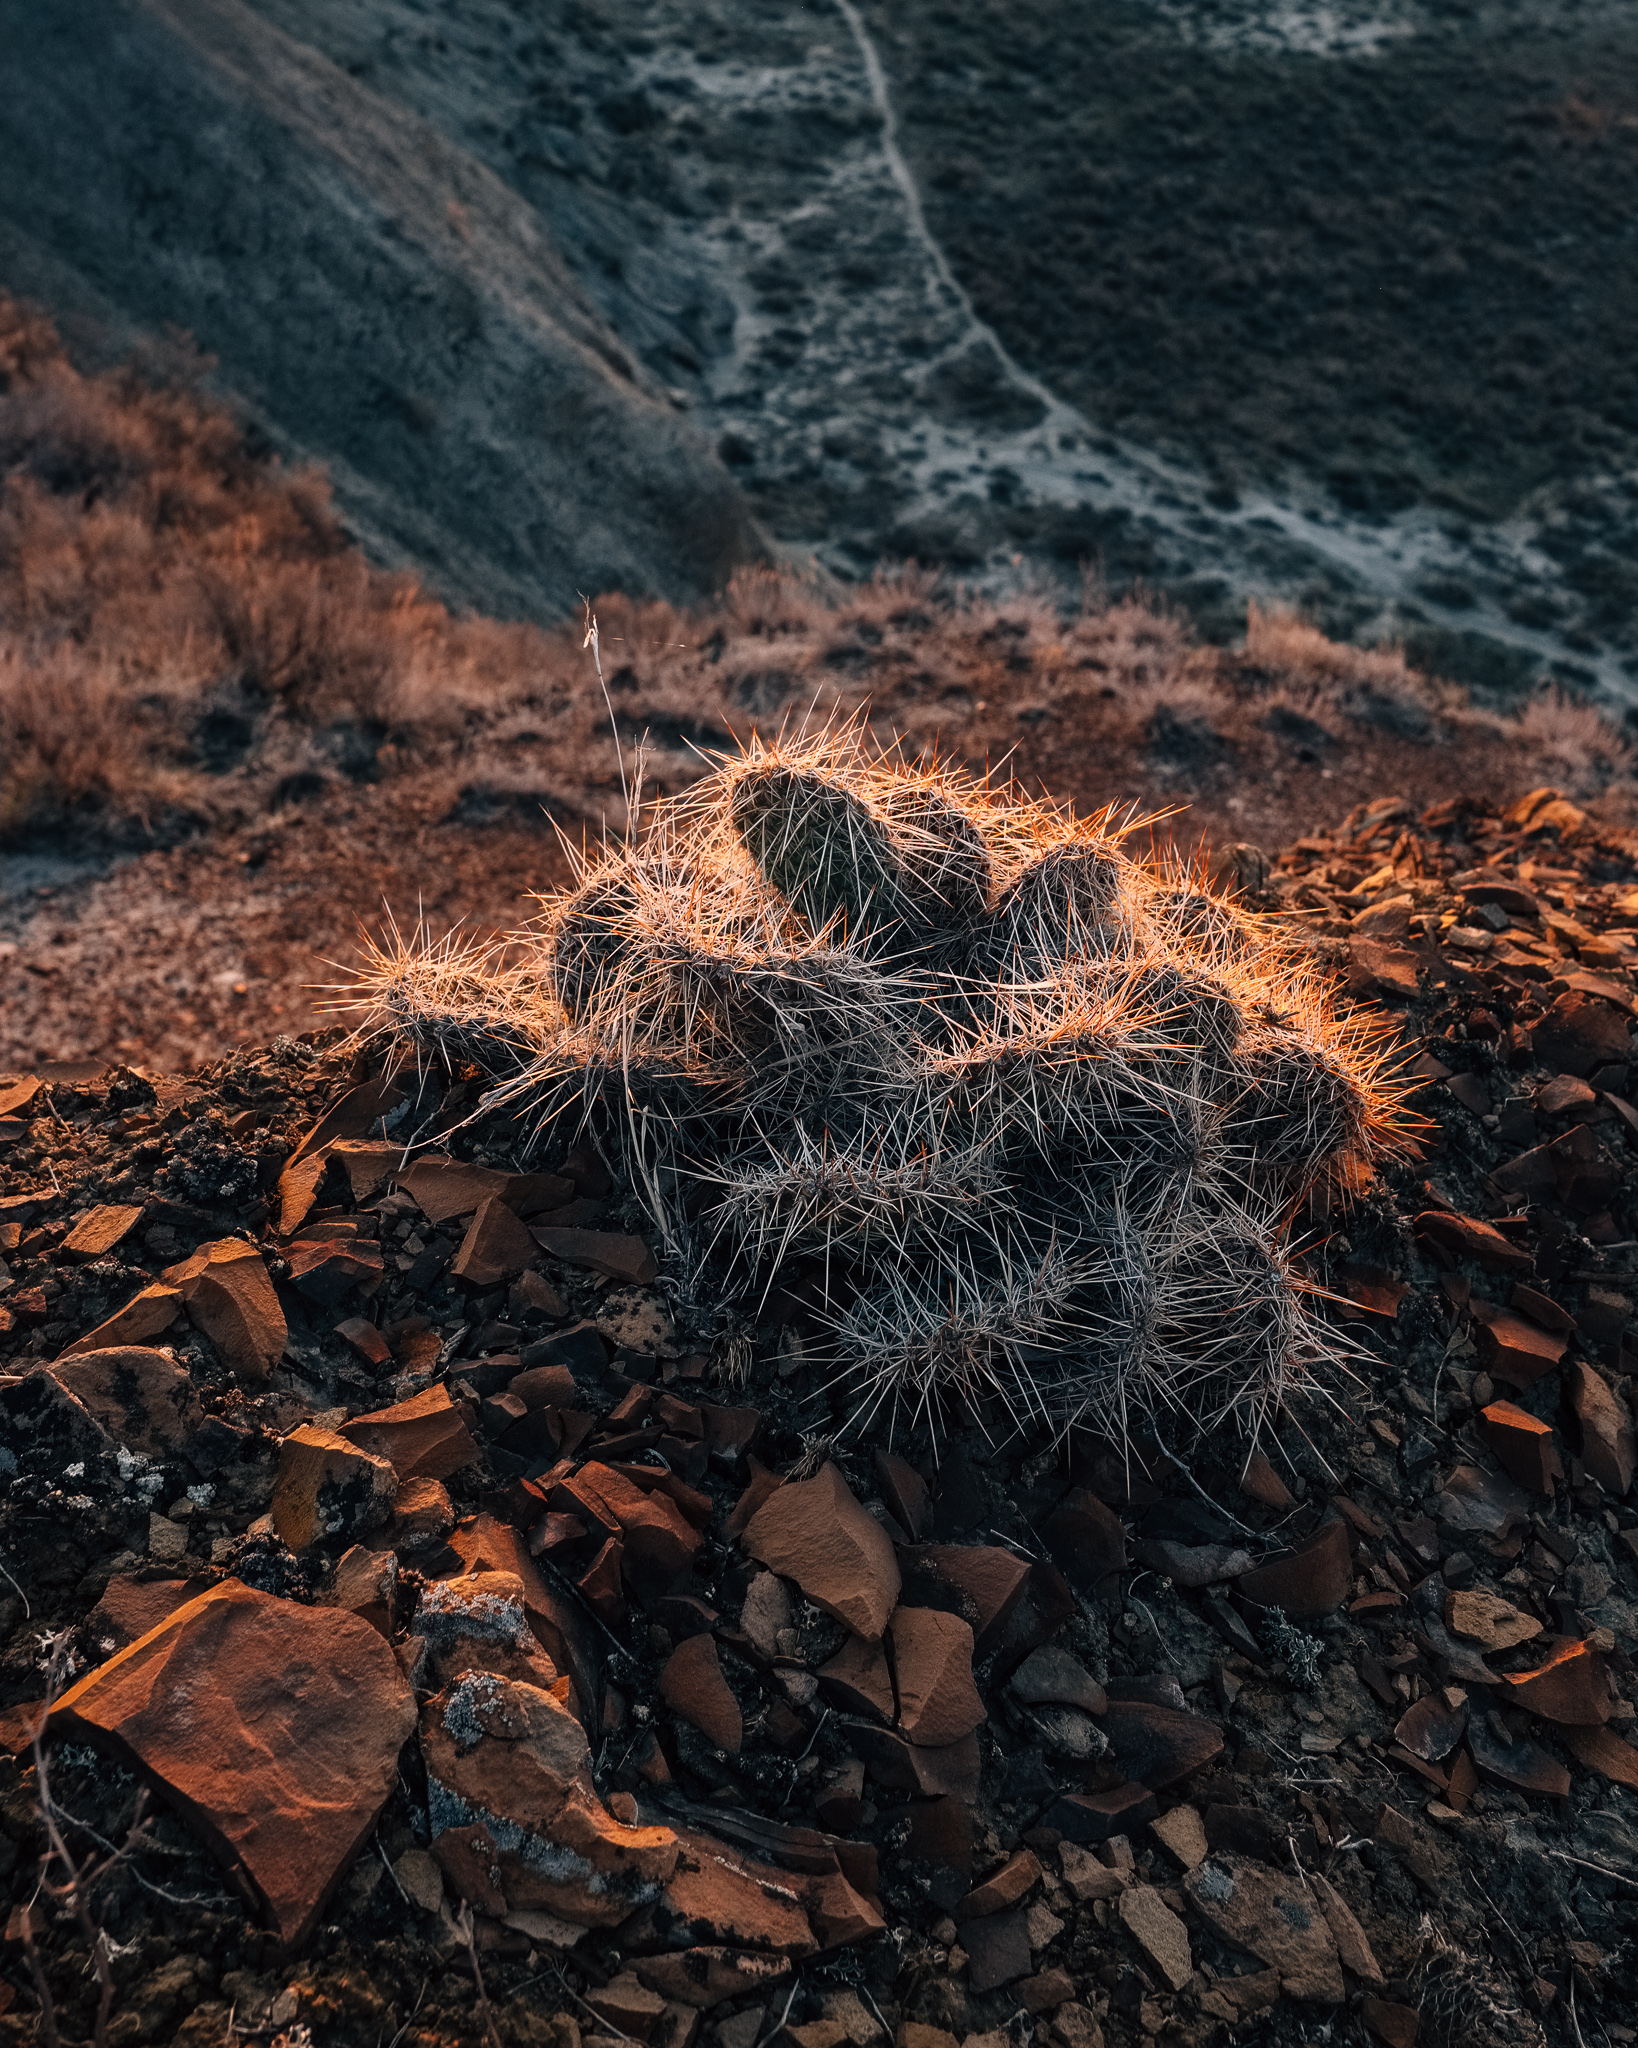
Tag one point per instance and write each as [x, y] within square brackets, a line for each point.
[568, 1638]
[1308, 1582]
[145, 1315]
[495, 1248]
[622, 1258]
[815, 1532]
[1007, 1887]
[1581, 1033]
[231, 1298]
[368, 1163]
[364, 1338]
[693, 1686]
[1523, 1446]
[601, 1586]
[328, 1269]
[1570, 1688]
[1092, 1817]
[425, 1437]
[444, 1188]
[479, 1623]
[1086, 1540]
[705, 1977]
[99, 1230]
[510, 1756]
[904, 1766]
[658, 1541]
[932, 1657]
[143, 1399]
[987, 1584]
[1276, 1916]
[1429, 1728]
[1602, 1750]
[327, 1486]
[422, 1514]
[1396, 2026]
[1604, 1430]
[718, 1896]
[906, 1493]
[1260, 1482]
[1488, 1619]
[273, 1728]
[1515, 1349]
[1159, 1745]
[131, 1607]
[1465, 1237]
[857, 1679]
[366, 1584]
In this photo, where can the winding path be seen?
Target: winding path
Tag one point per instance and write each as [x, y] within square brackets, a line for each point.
[1390, 562]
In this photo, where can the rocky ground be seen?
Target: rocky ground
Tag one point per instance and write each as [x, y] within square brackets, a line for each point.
[460, 1636]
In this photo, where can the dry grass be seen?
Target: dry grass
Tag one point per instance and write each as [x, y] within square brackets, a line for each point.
[191, 640]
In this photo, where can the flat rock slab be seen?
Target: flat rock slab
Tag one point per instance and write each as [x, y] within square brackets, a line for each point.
[274, 1729]
[1051, 1677]
[1159, 1932]
[231, 1298]
[933, 1671]
[100, 1229]
[143, 1399]
[1279, 1919]
[425, 1437]
[815, 1532]
[145, 1315]
[622, 1258]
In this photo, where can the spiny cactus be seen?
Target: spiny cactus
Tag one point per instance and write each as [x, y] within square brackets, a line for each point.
[1042, 1110]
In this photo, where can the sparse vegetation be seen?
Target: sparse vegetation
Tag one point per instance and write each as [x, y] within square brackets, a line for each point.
[191, 639]
[1041, 1110]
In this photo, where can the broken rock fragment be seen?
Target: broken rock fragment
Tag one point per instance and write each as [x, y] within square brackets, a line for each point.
[1523, 1446]
[932, 1657]
[99, 1230]
[693, 1686]
[231, 1298]
[327, 1486]
[143, 1398]
[425, 1437]
[1158, 1745]
[496, 1247]
[1308, 1582]
[511, 1757]
[1158, 1931]
[1608, 1447]
[1051, 1677]
[274, 1729]
[815, 1532]
[1570, 1688]
[1488, 1619]
[144, 1316]
[1276, 1916]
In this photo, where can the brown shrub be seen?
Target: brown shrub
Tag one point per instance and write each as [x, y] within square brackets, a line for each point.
[189, 636]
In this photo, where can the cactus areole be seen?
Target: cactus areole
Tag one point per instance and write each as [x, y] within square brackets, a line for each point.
[1037, 1114]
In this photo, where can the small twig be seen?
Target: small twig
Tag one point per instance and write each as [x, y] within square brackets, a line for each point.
[393, 1874]
[1603, 1869]
[42, 1990]
[28, 1612]
[774, 2031]
[468, 1933]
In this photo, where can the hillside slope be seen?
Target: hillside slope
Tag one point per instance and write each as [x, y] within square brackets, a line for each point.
[373, 294]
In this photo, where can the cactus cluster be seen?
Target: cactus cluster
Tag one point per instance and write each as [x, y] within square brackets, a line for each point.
[1040, 1112]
